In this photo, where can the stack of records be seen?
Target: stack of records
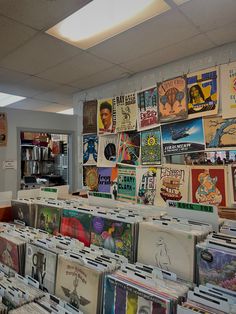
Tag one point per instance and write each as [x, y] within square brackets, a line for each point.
[24, 210]
[3, 308]
[229, 227]
[30, 308]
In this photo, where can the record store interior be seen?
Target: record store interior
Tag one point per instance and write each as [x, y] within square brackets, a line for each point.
[118, 156]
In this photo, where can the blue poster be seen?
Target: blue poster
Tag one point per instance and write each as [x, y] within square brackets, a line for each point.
[90, 149]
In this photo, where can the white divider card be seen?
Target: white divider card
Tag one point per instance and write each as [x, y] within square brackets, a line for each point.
[49, 192]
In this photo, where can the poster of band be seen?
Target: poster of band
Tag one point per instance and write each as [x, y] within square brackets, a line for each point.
[90, 116]
[90, 177]
[106, 116]
[107, 180]
[3, 129]
[129, 149]
[107, 151]
[232, 183]
[203, 90]
[151, 147]
[172, 99]
[126, 112]
[146, 185]
[90, 149]
[228, 89]
[147, 109]
[183, 137]
[126, 184]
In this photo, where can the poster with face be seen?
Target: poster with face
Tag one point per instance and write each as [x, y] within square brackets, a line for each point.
[126, 112]
[107, 180]
[228, 89]
[107, 151]
[147, 109]
[90, 149]
[90, 116]
[3, 129]
[172, 99]
[151, 147]
[203, 90]
[129, 149]
[146, 185]
[90, 177]
[126, 182]
[106, 116]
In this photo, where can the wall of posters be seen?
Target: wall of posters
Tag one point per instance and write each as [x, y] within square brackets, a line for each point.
[90, 149]
[151, 147]
[107, 151]
[3, 129]
[172, 99]
[228, 89]
[126, 182]
[90, 177]
[147, 109]
[105, 116]
[183, 137]
[203, 92]
[146, 185]
[90, 116]
[126, 112]
[129, 149]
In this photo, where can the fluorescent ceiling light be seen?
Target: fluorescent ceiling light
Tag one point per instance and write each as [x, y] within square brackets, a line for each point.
[7, 99]
[179, 2]
[67, 111]
[103, 19]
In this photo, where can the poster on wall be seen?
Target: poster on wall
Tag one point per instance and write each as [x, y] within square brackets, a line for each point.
[209, 185]
[106, 116]
[90, 177]
[107, 180]
[147, 109]
[203, 92]
[126, 112]
[220, 133]
[151, 147]
[3, 129]
[90, 116]
[146, 185]
[172, 99]
[107, 150]
[129, 149]
[183, 137]
[90, 149]
[228, 89]
[126, 184]
[232, 183]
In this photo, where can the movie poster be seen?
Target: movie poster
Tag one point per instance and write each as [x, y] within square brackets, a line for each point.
[106, 113]
[129, 148]
[172, 99]
[228, 89]
[151, 147]
[90, 116]
[48, 218]
[90, 177]
[107, 180]
[220, 133]
[183, 137]
[126, 184]
[90, 149]
[232, 183]
[126, 112]
[209, 185]
[203, 93]
[172, 184]
[147, 109]
[146, 185]
[3, 129]
[107, 151]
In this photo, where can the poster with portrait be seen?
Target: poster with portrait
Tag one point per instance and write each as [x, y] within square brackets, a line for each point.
[228, 89]
[90, 116]
[107, 180]
[220, 133]
[3, 129]
[106, 113]
[232, 183]
[172, 99]
[126, 184]
[126, 112]
[90, 149]
[90, 177]
[183, 137]
[107, 150]
[146, 184]
[129, 149]
[151, 147]
[203, 92]
[147, 109]
[209, 185]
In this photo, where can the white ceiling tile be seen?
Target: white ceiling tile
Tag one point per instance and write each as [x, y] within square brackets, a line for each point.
[9, 76]
[54, 108]
[223, 35]
[63, 95]
[29, 104]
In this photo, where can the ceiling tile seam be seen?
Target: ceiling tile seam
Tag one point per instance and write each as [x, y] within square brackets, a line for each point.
[21, 23]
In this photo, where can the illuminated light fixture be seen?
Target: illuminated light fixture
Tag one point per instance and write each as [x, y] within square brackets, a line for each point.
[8, 99]
[103, 19]
[67, 111]
[179, 2]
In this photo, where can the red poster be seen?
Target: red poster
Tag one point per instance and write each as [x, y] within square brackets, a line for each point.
[9, 255]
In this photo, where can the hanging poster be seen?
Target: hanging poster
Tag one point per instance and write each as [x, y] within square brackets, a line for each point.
[209, 185]
[203, 92]
[90, 116]
[90, 177]
[3, 129]
[106, 116]
[220, 133]
[228, 89]
[129, 148]
[147, 109]
[172, 99]
[172, 184]
[126, 182]
[183, 137]
[232, 183]
[151, 147]
[90, 149]
[107, 151]
[126, 112]
[146, 185]
[107, 180]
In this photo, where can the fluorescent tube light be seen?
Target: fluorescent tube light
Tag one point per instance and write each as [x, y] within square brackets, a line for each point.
[7, 99]
[67, 111]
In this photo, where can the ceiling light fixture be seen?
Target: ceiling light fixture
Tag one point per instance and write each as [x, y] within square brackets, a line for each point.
[67, 111]
[7, 99]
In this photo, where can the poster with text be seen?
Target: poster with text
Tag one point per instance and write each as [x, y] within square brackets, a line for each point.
[151, 147]
[107, 150]
[126, 112]
[90, 149]
[183, 137]
[106, 116]
[146, 185]
[129, 149]
[90, 116]
[126, 182]
[107, 180]
[3, 129]
[232, 183]
[147, 109]
[203, 92]
[228, 89]
[90, 177]
[172, 99]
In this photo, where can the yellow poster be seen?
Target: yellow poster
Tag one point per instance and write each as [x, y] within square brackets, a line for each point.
[228, 89]
[106, 116]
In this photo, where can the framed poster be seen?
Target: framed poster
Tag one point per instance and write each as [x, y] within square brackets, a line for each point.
[107, 180]
[3, 129]
[203, 92]
[90, 116]
[147, 109]
[107, 151]
[232, 182]
[146, 185]
[129, 148]
[228, 89]
[151, 147]
[90, 149]
[126, 182]
[90, 177]
[172, 99]
[106, 116]
[126, 112]
[183, 137]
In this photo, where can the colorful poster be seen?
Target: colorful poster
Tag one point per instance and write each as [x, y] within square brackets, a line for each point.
[228, 89]
[126, 184]
[48, 218]
[107, 151]
[90, 149]
[129, 149]
[106, 116]
[90, 177]
[232, 183]
[151, 147]
[220, 133]
[203, 90]
[90, 116]
[183, 137]
[9, 254]
[172, 99]
[146, 185]
[147, 109]
[3, 129]
[107, 180]
[209, 185]
[126, 112]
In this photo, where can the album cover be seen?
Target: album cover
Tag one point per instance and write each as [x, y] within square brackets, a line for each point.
[129, 148]
[24, 212]
[228, 89]
[90, 177]
[9, 254]
[107, 151]
[107, 180]
[126, 112]
[203, 92]
[147, 109]
[172, 99]
[3, 129]
[151, 147]
[90, 149]
[183, 137]
[146, 185]
[48, 218]
[106, 116]
[109, 298]
[90, 116]
[126, 184]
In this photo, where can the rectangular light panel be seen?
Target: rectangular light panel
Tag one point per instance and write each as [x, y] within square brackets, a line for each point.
[7, 99]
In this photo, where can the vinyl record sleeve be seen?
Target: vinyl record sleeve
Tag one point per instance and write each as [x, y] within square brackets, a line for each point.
[24, 211]
[48, 218]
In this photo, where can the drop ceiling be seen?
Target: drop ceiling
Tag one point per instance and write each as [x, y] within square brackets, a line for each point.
[48, 71]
